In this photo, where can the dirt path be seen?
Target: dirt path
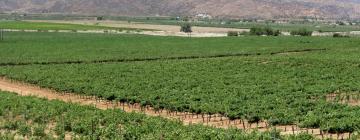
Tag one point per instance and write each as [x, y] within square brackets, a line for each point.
[216, 120]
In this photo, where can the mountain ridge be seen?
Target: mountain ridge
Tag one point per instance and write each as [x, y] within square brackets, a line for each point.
[348, 9]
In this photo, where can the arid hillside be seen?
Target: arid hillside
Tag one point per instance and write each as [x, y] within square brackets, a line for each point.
[215, 8]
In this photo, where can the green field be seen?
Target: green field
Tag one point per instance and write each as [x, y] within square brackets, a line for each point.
[276, 89]
[43, 26]
[32, 118]
[19, 47]
[283, 89]
[283, 80]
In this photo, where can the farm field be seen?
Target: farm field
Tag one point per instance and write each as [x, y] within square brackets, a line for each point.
[278, 80]
[282, 90]
[25, 48]
[44, 26]
[126, 24]
[169, 23]
[278, 26]
[34, 118]
[247, 25]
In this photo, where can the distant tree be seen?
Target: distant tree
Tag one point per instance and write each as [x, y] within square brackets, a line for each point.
[100, 18]
[340, 23]
[338, 35]
[233, 33]
[256, 31]
[186, 19]
[264, 31]
[301, 32]
[186, 28]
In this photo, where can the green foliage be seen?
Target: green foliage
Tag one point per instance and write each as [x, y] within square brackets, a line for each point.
[65, 47]
[11, 125]
[244, 33]
[301, 32]
[186, 28]
[311, 121]
[232, 33]
[39, 131]
[116, 124]
[172, 85]
[283, 88]
[301, 136]
[264, 31]
[24, 130]
[338, 35]
[7, 136]
[100, 18]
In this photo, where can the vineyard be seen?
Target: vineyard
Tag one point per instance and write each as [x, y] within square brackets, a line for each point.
[32, 48]
[32, 118]
[277, 80]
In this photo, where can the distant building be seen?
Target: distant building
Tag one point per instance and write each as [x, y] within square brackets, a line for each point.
[203, 16]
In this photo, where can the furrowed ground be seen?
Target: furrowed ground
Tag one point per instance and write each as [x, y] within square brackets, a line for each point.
[273, 81]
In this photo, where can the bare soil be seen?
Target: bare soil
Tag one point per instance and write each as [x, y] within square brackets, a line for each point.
[216, 120]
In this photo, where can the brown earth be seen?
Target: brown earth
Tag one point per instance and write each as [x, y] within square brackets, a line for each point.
[339, 9]
[216, 120]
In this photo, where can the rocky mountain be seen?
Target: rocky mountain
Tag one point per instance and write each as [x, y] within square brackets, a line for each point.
[215, 8]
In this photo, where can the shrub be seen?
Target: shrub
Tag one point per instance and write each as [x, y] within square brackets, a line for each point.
[11, 125]
[256, 31]
[24, 130]
[301, 32]
[99, 18]
[186, 28]
[244, 33]
[232, 33]
[264, 31]
[277, 33]
[39, 131]
[337, 35]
